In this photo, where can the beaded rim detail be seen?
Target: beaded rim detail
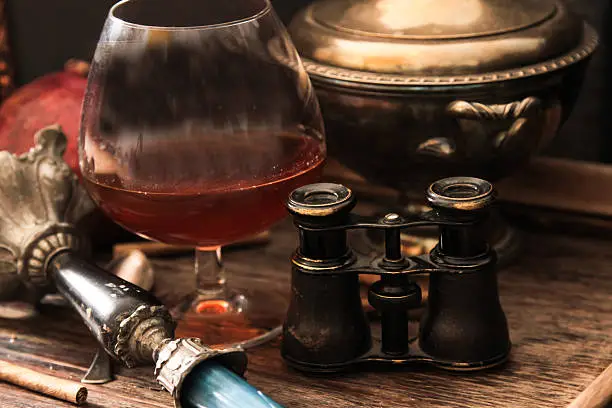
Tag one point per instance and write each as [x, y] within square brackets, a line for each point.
[331, 73]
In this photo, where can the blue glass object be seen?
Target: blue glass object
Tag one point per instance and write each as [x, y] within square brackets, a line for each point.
[210, 385]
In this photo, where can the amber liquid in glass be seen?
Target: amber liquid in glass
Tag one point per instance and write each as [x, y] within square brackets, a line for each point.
[207, 195]
[218, 197]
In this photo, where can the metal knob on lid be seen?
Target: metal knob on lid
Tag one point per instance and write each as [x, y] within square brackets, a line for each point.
[321, 200]
[461, 193]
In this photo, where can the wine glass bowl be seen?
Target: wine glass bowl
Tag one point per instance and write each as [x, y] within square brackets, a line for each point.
[192, 132]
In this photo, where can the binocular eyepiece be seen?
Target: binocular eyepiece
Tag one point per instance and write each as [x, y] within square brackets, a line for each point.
[463, 326]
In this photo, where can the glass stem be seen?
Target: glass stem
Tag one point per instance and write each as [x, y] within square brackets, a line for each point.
[210, 273]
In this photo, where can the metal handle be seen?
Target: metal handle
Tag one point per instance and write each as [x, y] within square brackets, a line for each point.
[481, 111]
[518, 111]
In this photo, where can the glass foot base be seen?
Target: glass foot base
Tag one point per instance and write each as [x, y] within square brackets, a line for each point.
[235, 303]
[223, 321]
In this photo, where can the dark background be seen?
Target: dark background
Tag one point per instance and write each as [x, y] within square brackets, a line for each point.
[44, 34]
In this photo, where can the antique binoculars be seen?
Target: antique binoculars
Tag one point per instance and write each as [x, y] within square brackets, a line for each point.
[463, 326]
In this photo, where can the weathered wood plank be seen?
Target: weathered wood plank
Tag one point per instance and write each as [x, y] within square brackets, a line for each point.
[558, 299]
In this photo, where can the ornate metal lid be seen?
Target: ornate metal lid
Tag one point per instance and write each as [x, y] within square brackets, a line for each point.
[425, 42]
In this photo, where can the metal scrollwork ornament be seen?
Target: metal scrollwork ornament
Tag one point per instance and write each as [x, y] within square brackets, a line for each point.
[518, 113]
[40, 202]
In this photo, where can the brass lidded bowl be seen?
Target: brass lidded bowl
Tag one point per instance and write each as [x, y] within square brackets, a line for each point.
[415, 90]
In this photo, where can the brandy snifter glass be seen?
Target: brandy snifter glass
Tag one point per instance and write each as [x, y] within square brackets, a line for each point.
[198, 121]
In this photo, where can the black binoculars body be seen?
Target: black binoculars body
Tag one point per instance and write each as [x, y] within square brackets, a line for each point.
[463, 326]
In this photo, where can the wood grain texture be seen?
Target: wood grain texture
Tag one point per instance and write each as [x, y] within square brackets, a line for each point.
[559, 184]
[598, 394]
[558, 299]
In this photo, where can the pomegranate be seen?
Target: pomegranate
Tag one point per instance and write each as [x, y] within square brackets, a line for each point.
[54, 98]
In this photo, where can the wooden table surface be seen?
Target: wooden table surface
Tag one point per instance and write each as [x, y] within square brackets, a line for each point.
[557, 297]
